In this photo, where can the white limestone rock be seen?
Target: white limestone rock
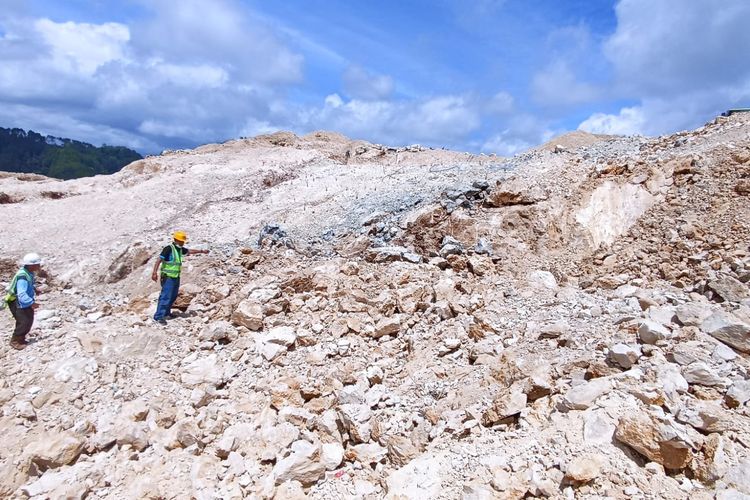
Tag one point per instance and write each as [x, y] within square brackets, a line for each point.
[420, 478]
[302, 464]
[729, 329]
[700, 373]
[650, 332]
[356, 420]
[584, 395]
[331, 455]
[693, 313]
[738, 394]
[249, 313]
[624, 355]
[206, 370]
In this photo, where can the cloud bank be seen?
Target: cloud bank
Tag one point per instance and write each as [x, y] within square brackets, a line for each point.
[181, 74]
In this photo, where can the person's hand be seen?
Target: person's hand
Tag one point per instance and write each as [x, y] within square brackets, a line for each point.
[154, 277]
[35, 306]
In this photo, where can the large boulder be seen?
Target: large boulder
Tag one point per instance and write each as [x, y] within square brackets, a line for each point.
[392, 254]
[693, 313]
[706, 416]
[712, 462]
[66, 482]
[367, 453]
[729, 329]
[302, 464]
[218, 331]
[659, 440]
[504, 408]
[420, 478]
[133, 257]
[729, 289]
[413, 296]
[699, 373]
[584, 468]
[281, 335]
[401, 450]
[738, 394]
[203, 371]
[134, 434]
[54, 450]
[542, 280]
[624, 355]
[661, 314]
[249, 313]
[650, 332]
[505, 195]
[270, 351]
[276, 342]
[184, 433]
[356, 420]
[669, 377]
[387, 326]
[331, 455]
[584, 395]
[736, 482]
[188, 291]
[479, 265]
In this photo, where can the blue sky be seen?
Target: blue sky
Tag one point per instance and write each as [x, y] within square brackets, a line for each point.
[493, 76]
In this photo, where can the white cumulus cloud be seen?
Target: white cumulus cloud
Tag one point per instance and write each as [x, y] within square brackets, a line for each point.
[627, 121]
[191, 72]
[672, 45]
[434, 120]
[681, 63]
[82, 47]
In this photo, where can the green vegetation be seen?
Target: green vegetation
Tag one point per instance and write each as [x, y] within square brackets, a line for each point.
[29, 152]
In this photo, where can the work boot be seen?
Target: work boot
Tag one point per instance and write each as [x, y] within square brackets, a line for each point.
[18, 344]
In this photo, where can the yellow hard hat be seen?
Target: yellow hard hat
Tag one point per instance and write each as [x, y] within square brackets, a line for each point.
[180, 236]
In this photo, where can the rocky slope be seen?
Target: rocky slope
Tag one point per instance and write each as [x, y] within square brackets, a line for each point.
[381, 323]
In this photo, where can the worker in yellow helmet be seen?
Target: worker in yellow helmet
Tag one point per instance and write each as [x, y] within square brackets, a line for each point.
[170, 261]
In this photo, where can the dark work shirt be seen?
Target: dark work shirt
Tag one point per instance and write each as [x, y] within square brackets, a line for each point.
[166, 254]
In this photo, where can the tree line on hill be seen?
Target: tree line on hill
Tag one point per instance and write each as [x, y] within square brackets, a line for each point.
[30, 152]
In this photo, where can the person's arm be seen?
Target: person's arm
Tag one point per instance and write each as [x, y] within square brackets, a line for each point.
[22, 293]
[155, 272]
[194, 251]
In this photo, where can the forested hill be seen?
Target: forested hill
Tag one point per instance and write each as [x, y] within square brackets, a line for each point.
[22, 151]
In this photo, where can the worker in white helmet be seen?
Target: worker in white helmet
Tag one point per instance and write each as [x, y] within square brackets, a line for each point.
[20, 299]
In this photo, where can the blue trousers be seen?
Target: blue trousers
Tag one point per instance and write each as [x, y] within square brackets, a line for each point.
[169, 289]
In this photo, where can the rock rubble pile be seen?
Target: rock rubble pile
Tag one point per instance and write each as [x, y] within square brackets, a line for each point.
[577, 326]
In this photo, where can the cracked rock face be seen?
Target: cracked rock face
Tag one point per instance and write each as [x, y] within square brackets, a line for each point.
[415, 323]
[659, 441]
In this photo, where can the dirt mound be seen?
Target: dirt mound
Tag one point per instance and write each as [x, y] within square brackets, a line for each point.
[573, 140]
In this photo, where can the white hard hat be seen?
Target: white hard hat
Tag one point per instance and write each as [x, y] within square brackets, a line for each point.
[31, 259]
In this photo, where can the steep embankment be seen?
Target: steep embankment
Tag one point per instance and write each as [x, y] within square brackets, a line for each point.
[224, 194]
[463, 332]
